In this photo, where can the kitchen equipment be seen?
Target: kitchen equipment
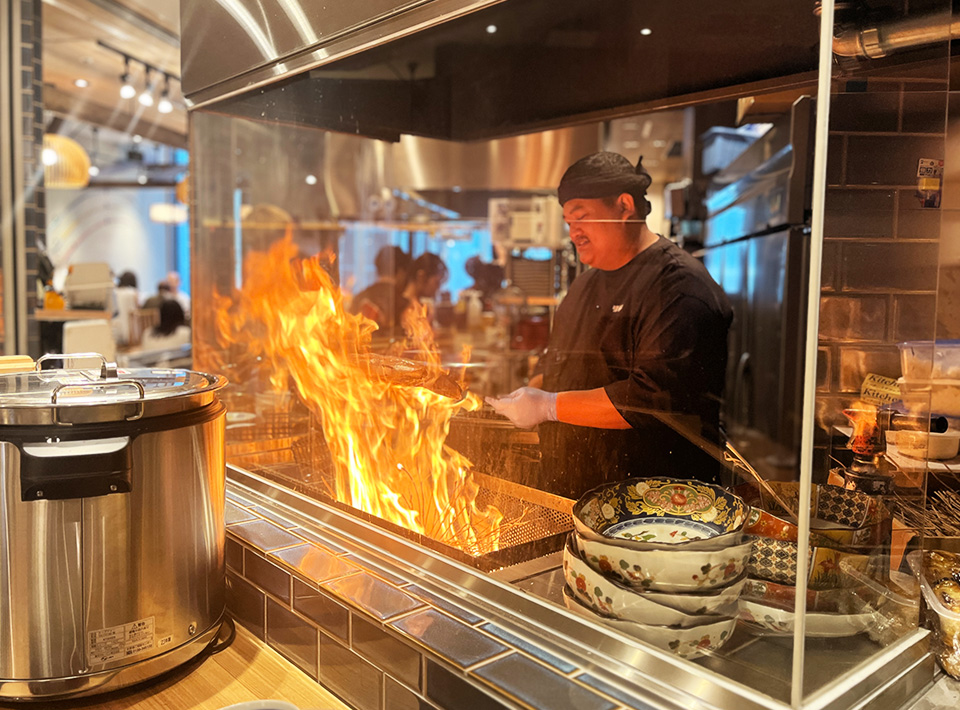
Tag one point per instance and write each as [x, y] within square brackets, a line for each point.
[756, 246]
[112, 561]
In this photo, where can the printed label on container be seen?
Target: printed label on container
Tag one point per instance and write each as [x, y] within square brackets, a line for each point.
[118, 642]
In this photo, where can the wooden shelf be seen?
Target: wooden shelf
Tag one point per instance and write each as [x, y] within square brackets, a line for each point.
[49, 314]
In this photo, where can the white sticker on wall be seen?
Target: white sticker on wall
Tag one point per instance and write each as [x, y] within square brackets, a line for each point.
[118, 642]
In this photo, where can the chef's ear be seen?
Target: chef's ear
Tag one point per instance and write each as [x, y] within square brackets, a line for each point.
[628, 208]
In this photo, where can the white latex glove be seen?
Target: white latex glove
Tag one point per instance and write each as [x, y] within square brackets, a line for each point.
[526, 407]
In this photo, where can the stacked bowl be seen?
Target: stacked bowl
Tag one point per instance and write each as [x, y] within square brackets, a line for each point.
[662, 559]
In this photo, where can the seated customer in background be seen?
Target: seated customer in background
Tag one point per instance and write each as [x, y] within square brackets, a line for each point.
[172, 331]
[157, 299]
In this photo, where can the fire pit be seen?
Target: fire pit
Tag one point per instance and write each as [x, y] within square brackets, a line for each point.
[535, 523]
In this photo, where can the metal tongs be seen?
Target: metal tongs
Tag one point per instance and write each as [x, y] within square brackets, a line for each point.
[731, 455]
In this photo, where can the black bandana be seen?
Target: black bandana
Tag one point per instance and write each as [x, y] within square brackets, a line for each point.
[605, 175]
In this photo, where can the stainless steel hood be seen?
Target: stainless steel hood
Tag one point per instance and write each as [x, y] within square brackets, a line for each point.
[474, 69]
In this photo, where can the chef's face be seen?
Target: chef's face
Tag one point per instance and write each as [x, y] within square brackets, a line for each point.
[599, 230]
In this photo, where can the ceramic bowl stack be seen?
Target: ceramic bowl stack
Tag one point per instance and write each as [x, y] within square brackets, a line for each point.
[662, 559]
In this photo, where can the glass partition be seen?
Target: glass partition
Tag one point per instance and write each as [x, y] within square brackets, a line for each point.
[380, 247]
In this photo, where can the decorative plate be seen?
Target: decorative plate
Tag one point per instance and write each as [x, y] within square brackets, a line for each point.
[661, 513]
[775, 621]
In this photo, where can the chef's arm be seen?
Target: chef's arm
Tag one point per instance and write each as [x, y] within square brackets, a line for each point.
[591, 408]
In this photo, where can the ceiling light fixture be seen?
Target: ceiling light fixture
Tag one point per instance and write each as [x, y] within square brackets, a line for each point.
[311, 179]
[165, 105]
[127, 90]
[491, 29]
[146, 96]
[646, 32]
[81, 83]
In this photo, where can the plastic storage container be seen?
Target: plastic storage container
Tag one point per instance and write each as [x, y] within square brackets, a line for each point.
[931, 446]
[931, 396]
[944, 623]
[930, 359]
[895, 604]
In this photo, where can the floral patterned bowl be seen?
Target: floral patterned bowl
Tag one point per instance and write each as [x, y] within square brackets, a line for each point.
[661, 514]
[667, 570]
[610, 598]
[686, 643]
[717, 602]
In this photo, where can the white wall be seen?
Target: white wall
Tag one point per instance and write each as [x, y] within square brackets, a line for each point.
[110, 225]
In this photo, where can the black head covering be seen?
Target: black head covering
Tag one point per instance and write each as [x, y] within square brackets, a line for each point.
[605, 175]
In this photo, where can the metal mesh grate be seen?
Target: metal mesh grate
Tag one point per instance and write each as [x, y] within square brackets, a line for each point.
[534, 523]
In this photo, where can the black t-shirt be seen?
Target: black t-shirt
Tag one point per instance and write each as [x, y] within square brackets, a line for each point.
[653, 334]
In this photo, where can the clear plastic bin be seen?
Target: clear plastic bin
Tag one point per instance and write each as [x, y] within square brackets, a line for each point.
[930, 359]
[895, 603]
[944, 623]
[931, 396]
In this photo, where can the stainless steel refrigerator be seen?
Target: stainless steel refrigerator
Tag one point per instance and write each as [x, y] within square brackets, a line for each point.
[756, 246]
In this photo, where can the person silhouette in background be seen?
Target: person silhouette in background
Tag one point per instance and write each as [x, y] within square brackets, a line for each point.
[127, 298]
[171, 332]
[173, 279]
[383, 301]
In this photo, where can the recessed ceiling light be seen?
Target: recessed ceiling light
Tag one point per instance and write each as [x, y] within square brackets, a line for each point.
[491, 29]
[142, 179]
[646, 32]
[137, 138]
[93, 171]
[48, 156]
[81, 83]
[311, 179]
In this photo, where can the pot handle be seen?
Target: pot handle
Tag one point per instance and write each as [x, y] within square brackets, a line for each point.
[62, 470]
[107, 369]
[99, 385]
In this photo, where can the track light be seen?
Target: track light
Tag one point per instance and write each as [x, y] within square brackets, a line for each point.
[127, 91]
[146, 96]
[165, 106]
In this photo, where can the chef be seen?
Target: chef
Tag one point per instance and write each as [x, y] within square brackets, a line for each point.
[632, 379]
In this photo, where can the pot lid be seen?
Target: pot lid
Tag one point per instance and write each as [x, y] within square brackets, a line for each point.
[106, 385]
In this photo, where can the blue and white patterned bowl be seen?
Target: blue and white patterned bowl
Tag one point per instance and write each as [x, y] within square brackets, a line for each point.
[661, 514]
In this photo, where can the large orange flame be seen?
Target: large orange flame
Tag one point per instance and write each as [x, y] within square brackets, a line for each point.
[386, 439]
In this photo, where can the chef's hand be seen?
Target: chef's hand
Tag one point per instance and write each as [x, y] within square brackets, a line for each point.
[526, 407]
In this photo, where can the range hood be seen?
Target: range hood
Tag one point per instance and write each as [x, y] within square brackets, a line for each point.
[463, 71]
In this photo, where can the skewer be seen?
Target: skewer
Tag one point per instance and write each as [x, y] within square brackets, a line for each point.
[733, 456]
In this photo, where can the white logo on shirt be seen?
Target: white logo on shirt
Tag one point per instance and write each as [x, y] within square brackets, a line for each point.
[617, 308]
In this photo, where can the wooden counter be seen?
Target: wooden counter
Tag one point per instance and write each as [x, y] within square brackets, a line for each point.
[247, 670]
[53, 315]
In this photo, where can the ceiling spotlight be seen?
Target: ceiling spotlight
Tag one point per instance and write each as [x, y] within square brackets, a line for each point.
[311, 179]
[142, 179]
[165, 105]
[146, 96]
[127, 91]
[81, 83]
[646, 32]
[48, 157]
[491, 29]
[137, 138]
[94, 171]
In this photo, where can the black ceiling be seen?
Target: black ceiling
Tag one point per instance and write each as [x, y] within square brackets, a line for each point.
[549, 63]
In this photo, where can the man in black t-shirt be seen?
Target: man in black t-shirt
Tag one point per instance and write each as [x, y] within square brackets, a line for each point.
[633, 375]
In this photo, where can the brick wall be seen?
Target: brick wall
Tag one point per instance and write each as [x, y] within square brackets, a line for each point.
[882, 251]
[22, 86]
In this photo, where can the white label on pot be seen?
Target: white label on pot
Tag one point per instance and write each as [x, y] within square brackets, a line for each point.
[118, 642]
